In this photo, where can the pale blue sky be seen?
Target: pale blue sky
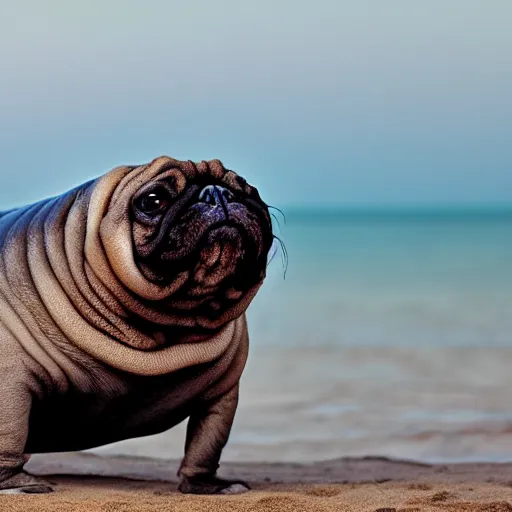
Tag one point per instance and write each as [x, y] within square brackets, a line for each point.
[347, 103]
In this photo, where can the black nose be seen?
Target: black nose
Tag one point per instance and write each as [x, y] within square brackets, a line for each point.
[215, 195]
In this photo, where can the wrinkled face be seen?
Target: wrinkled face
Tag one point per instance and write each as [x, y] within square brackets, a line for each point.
[205, 231]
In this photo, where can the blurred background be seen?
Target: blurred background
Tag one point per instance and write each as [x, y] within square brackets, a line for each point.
[381, 129]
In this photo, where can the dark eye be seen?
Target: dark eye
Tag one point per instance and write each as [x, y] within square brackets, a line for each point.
[153, 202]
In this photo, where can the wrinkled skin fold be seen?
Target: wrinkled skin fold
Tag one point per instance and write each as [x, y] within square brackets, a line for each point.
[122, 313]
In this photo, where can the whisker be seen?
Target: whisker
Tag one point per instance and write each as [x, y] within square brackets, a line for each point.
[284, 251]
[277, 221]
[278, 210]
[273, 255]
[284, 255]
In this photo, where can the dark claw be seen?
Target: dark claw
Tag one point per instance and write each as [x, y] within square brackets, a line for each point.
[37, 489]
[212, 485]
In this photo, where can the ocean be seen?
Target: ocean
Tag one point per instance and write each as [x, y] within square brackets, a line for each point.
[388, 334]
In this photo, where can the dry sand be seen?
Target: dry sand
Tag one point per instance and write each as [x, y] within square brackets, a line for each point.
[125, 484]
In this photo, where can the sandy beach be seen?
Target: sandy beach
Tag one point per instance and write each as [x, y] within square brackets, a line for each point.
[87, 482]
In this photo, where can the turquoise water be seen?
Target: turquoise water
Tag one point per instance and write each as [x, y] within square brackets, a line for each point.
[390, 279]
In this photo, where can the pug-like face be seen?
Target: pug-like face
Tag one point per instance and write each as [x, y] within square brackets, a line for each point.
[201, 231]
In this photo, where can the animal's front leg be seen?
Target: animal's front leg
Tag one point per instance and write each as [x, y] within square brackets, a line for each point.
[207, 434]
[15, 403]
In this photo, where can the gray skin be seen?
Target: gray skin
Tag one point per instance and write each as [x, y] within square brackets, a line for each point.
[122, 313]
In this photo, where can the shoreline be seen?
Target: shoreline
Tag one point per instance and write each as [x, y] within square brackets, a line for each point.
[90, 482]
[355, 470]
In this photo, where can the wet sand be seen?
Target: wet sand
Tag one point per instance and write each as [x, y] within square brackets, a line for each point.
[366, 484]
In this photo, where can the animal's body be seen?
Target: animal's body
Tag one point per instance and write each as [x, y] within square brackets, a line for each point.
[122, 313]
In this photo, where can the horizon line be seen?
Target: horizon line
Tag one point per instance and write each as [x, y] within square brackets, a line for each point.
[439, 210]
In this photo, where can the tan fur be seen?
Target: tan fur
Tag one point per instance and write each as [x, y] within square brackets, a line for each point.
[76, 370]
